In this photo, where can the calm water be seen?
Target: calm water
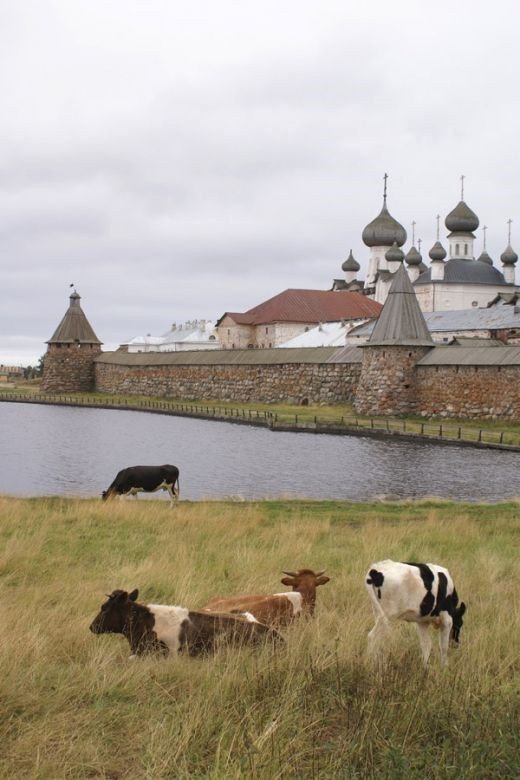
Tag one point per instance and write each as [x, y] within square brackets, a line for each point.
[47, 450]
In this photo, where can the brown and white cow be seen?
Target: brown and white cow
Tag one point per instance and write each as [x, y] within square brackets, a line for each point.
[277, 609]
[169, 629]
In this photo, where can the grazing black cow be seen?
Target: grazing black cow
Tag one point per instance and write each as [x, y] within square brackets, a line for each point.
[147, 479]
[153, 628]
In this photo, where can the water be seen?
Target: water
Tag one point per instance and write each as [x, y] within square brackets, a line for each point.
[51, 450]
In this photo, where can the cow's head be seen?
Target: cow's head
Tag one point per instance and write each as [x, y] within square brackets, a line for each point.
[106, 494]
[457, 614]
[113, 614]
[305, 581]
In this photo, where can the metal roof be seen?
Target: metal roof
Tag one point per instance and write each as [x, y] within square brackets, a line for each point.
[472, 356]
[221, 357]
[497, 317]
[348, 354]
[308, 306]
[401, 323]
[462, 219]
[74, 327]
[458, 271]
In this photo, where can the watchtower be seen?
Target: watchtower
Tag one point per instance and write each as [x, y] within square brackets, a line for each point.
[387, 384]
[68, 365]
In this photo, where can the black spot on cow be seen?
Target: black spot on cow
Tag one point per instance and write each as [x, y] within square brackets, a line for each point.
[442, 589]
[427, 576]
[376, 579]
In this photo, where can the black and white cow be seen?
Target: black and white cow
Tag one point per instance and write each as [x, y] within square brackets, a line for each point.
[147, 479]
[421, 593]
[153, 628]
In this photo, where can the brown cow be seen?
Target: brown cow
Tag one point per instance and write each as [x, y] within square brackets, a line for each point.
[278, 609]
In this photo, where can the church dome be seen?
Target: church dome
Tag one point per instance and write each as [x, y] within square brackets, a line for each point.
[437, 252]
[413, 257]
[394, 254]
[384, 230]
[350, 263]
[509, 256]
[485, 258]
[462, 219]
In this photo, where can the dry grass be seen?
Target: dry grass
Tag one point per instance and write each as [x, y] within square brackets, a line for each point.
[75, 706]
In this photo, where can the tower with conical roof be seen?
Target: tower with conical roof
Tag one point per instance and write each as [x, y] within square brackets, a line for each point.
[72, 349]
[387, 383]
[379, 235]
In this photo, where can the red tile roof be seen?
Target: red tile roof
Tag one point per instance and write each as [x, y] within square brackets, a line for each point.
[308, 306]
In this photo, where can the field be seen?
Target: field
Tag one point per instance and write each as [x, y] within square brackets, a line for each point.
[75, 706]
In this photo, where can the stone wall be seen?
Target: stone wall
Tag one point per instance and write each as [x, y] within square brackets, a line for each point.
[69, 368]
[473, 392]
[294, 383]
[388, 378]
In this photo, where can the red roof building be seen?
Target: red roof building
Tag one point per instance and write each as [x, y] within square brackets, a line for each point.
[290, 313]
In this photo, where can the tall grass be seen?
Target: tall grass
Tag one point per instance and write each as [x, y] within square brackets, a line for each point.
[75, 706]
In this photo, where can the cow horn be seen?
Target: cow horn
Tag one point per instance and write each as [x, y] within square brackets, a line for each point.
[290, 573]
[319, 573]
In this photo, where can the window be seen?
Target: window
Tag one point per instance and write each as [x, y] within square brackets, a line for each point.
[456, 249]
[267, 331]
[465, 249]
[474, 303]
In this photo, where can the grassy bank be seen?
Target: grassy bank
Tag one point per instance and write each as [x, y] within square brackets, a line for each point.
[319, 418]
[75, 706]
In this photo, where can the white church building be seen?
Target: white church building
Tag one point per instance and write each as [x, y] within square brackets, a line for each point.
[455, 278]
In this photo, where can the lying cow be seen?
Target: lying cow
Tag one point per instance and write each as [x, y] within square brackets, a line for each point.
[156, 628]
[421, 593]
[147, 479]
[278, 609]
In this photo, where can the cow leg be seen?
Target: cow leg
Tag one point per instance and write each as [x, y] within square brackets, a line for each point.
[425, 639]
[444, 637]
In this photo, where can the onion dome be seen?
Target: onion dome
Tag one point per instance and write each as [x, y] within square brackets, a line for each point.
[462, 219]
[485, 258]
[413, 257]
[509, 256]
[384, 230]
[350, 263]
[394, 254]
[437, 252]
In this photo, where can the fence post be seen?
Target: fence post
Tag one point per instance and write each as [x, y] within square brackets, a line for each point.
[296, 419]
[371, 422]
[480, 434]
[422, 428]
[440, 430]
[501, 437]
[460, 432]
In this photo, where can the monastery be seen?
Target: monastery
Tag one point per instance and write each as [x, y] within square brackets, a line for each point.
[455, 280]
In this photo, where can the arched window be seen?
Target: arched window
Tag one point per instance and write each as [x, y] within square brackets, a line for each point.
[456, 249]
[465, 249]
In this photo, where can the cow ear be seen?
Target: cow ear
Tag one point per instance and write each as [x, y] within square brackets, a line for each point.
[287, 581]
[133, 595]
[322, 580]
[462, 608]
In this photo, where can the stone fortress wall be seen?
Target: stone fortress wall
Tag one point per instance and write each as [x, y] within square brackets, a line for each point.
[390, 384]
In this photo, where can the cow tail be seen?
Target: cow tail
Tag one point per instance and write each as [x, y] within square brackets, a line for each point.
[178, 486]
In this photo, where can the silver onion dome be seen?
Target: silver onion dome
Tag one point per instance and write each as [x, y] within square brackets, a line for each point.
[394, 254]
[485, 258]
[509, 256]
[462, 219]
[384, 230]
[413, 257]
[437, 252]
[350, 263]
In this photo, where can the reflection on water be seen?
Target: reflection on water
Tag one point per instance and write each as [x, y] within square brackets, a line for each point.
[46, 450]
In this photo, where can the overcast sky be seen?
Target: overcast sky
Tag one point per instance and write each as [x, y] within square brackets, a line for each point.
[176, 160]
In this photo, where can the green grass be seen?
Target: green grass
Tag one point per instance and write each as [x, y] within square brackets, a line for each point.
[75, 706]
[503, 432]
